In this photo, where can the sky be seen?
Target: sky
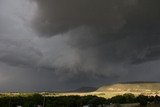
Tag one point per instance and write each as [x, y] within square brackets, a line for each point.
[57, 45]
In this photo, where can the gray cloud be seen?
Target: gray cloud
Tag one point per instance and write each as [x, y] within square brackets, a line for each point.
[67, 44]
[104, 33]
[61, 16]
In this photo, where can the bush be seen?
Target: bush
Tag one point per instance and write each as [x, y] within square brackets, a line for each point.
[142, 100]
[130, 98]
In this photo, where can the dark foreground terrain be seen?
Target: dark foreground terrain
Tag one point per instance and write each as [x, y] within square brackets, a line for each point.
[37, 100]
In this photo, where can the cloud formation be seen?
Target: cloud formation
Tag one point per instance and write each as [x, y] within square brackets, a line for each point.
[104, 33]
[59, 44]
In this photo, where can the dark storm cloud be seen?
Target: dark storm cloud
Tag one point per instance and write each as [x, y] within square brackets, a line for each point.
[105, 32]
[66, 44]
[105, 15]
[60, 16]
[21, 55]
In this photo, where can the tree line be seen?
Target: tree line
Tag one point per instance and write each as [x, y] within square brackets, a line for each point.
[74, 101]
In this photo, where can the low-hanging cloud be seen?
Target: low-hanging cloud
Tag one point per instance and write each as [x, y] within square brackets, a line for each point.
[107, 35]
[59, 44]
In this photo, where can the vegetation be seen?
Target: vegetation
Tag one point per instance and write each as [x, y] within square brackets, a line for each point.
[62, 101]
[74, 101]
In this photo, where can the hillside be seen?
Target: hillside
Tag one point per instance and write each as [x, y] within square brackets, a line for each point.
[131, 87]
[136, 88]
[108, 91]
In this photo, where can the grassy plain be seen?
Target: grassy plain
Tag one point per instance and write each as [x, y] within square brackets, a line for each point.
[107, 91]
